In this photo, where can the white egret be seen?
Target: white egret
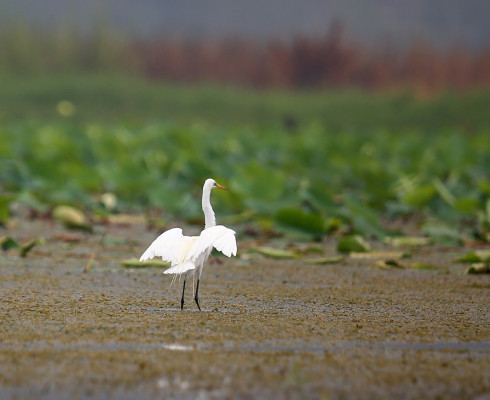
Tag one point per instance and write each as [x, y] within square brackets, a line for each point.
[187, 254]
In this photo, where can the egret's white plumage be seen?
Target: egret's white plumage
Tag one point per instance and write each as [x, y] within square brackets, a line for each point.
[187, 254]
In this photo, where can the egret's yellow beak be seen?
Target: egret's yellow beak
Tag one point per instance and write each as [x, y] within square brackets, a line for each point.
[221, 187]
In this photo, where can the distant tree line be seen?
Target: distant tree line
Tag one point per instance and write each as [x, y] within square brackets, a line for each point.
[324, 62]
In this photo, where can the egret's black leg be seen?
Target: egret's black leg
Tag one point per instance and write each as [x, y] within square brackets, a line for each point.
[182, 300]
[196, 297]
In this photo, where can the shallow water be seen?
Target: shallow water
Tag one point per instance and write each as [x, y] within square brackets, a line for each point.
[269, 328]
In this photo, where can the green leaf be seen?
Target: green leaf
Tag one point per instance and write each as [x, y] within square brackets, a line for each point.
[313, 248]
[484, 255]
[479, 268]
[484, 187]
[420, 196]
[72, 218]
[28, 246]
[262, 188]
[135, 263]
[442, 233]
[444, 192]
[468, 258]
[7, 243]
[364, 219]
[276, 253]
[352, 243]
[31, 201]
[296, 219]
[474, 257]
[407, 240]
[4, 209]
[388, 264]
[467, 205]
[325, 260]
[421, 265]
[333, 224]
[377, 255]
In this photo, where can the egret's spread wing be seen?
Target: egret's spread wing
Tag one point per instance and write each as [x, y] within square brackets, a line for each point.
[167, 246]
[219, 237]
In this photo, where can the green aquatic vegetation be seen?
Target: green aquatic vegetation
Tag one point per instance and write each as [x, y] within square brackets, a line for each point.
[135, 263]
[325, 260]
[4, 209]
[352, 243]
[298, 222]
[72, 218]
[276, 253]
[475, 257]
[388, 264]
[320, 179]
[29, 245]
[422, 265]
[8, 243]
[407, 240]
[478, 268]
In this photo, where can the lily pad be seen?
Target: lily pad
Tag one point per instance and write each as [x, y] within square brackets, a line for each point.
[388, 264]
[352, 243]
[361, 216]
[295, 219]
[442, 233]
[378, 255]
[467, 205]
[71, 218]
[421, 265]
[478, 268]
[7, 243]
[333, 224]
[484, 187]
[484, 255]
[419, 196]
[312, 248]
[325, 260]
[475, 257]
[126, 219]
[407, 240]
[135, 263]
[276, 253]
[4, 209]
[444, 192]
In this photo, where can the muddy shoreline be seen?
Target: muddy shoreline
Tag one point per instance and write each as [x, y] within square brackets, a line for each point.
[269, 328]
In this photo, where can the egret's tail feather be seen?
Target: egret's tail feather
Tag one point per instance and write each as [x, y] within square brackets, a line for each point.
[180, 268]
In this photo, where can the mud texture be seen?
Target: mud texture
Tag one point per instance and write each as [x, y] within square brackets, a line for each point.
[281, 329]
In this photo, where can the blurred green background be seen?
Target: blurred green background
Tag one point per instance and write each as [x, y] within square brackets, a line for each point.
[314, 132]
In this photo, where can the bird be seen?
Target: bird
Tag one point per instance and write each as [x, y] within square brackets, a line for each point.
[187, 254]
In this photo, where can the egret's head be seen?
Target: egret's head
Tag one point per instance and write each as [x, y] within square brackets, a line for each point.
[211, 183]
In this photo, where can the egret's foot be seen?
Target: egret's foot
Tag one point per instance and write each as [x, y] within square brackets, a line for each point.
[196, 297]
[197, 302]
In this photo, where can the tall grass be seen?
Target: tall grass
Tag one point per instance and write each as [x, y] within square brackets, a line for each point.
[106, 97]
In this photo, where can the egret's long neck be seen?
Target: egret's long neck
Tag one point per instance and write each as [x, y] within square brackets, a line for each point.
[209, 218]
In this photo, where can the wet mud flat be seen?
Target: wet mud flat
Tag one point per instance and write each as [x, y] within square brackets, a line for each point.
[269, 328]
